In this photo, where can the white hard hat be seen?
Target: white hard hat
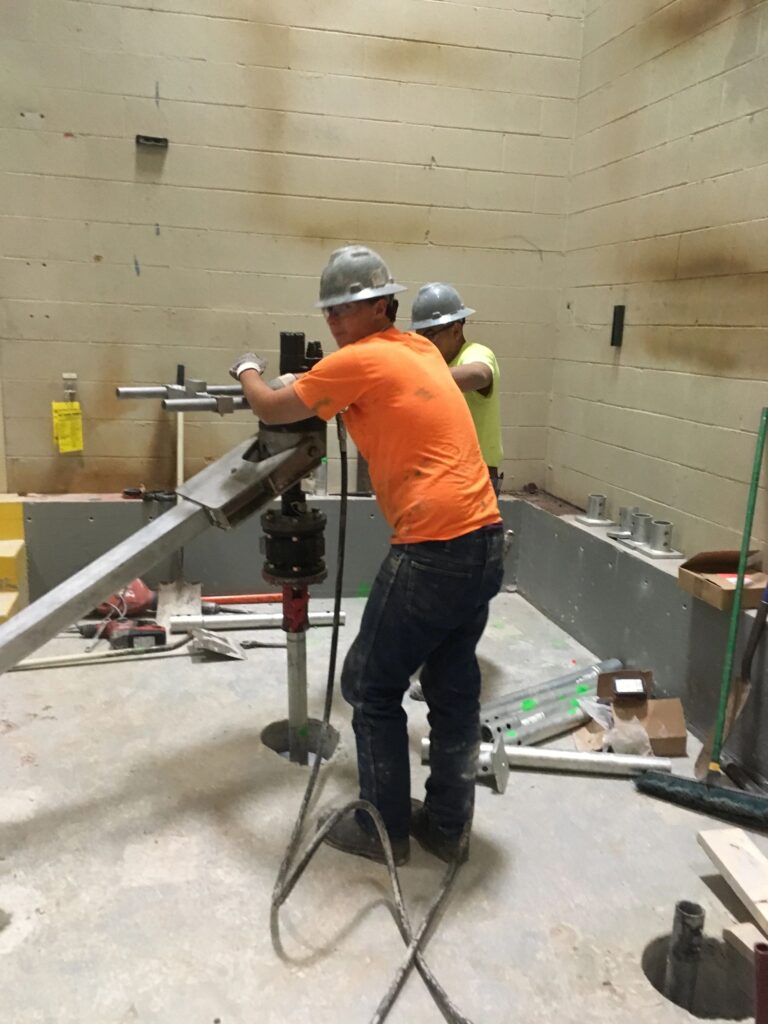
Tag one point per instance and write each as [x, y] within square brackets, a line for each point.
[354, 273]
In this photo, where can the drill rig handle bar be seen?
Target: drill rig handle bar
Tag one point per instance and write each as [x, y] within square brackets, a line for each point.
[203, 403]
[170, 390]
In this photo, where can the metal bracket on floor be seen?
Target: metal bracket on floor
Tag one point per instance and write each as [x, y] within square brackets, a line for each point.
[492, 765]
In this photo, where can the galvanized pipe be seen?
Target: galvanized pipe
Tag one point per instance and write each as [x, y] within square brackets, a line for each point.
[641, 529]
[596, 506]
[514, 722]
[298, 728]
[142, 391]
[222, 621]
[573, 680]
[625, 522]
[534, 728]
[537, 759]
[163, 391]
[203, 403]
[761, 983]
[684, 954]
[661, 535]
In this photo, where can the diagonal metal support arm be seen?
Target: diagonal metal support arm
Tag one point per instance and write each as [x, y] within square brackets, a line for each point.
[223, 494]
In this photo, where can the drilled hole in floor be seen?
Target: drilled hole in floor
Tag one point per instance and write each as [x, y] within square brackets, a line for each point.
[723, 983]
[276, 737]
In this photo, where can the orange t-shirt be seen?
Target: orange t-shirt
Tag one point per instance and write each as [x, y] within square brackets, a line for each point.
[410, 422]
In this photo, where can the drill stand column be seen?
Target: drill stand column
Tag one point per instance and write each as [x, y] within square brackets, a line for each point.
[294, 548]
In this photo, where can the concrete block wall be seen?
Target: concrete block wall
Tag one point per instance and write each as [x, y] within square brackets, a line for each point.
[668, 215]
[437, 132]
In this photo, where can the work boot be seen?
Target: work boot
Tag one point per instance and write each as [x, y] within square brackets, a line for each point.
[416, 692]
[432, 839]
[350, 837]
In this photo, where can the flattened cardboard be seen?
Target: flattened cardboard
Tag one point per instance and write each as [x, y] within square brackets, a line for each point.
[711, 577]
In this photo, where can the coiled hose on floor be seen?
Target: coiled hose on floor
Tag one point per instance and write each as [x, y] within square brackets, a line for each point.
[290, 872]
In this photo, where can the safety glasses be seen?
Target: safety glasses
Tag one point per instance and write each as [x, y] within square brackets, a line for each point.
[342, 309]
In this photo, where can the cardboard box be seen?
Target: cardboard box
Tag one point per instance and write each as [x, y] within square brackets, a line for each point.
[663, 720]
[626, 684]
[711, 577]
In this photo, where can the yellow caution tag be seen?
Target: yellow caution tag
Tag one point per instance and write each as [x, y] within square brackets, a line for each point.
[67, 426]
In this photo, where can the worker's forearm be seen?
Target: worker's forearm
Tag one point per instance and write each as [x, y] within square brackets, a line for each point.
[472, 376]
[272, 406]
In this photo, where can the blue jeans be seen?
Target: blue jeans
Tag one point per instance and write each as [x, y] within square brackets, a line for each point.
[428, 606]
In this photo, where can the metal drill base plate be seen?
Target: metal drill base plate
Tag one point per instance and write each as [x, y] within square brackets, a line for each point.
[662, 553]
[619, 534]
[594, 522]
[644, 549]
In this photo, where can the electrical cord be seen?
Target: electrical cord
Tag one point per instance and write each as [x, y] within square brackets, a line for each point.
[290, 873]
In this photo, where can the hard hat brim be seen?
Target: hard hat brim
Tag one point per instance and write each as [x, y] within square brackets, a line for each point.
[360, 296]
[441, 321]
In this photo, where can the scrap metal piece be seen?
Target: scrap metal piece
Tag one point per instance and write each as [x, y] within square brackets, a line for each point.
[206, 642]
[177, 598]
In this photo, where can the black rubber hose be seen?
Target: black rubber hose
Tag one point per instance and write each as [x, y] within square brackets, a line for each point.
[288, 874]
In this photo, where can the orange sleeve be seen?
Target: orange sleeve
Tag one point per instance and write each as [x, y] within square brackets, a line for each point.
[338, 380]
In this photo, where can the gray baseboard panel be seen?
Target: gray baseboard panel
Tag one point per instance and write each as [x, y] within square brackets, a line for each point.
[620, 606]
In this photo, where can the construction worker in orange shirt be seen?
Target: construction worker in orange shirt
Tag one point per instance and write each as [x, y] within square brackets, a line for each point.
[429, 602]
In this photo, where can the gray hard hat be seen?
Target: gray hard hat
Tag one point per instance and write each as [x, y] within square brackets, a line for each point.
[354, 273]
[437, 304]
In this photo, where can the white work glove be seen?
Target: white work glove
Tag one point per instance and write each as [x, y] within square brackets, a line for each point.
[247, 361]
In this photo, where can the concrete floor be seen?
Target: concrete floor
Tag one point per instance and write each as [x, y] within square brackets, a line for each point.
[142, 823]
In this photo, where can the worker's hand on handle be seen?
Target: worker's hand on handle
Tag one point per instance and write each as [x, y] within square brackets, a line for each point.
[247, 361]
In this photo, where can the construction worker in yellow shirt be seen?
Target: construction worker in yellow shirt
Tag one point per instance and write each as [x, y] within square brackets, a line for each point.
[439, 314]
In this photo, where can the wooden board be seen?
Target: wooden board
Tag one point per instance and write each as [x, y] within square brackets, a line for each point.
[744, 937]
[742, 865]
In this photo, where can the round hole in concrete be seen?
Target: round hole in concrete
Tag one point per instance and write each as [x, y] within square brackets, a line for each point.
[275, 736]
[723, 985]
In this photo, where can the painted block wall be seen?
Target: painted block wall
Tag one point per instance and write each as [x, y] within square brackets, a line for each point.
[668, 215]
[437, 132]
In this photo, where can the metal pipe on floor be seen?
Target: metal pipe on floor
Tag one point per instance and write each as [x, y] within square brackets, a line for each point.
[761, 983]
[298, 726]
[536, 759]
[684, 954]
[223, 621]
[542, 724]
[583, 676]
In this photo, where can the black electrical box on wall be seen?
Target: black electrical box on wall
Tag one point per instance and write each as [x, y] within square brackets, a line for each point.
[617, 330]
